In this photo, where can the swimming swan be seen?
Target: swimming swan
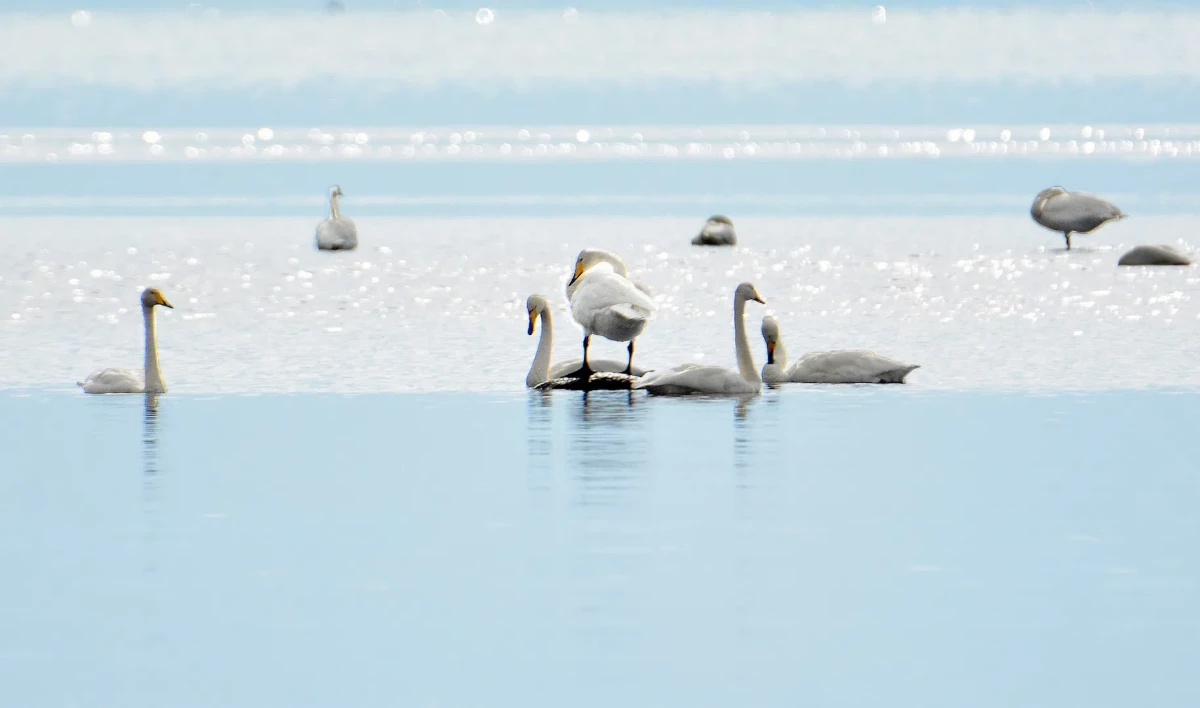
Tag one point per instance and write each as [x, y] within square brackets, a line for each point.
[337, 233]
[541, 371]
[693, 378]
[606, 302]
[835, 367]
[718, 231]
[148, 380]
[1079, 212]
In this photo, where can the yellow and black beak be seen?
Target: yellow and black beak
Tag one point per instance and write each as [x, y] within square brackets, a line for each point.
[578, 272]
[770, 347]
[163, 301]
[758, 299]
[532, 319]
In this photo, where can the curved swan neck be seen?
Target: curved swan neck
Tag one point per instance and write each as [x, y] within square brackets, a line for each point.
[745, 359]
[334, 211]
[539, 372]
[1039, 205]
[780, 357]
[154, 381]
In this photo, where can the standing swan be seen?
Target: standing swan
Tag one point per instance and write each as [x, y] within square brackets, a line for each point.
[693, 378]
[149, 380]
[606, 302]
[835, 367]
[541, 371]
[337, 233]
[1078, 212]
[717, 231]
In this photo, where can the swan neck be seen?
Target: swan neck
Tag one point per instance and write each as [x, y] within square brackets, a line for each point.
[745, 358]
[334, 211]
[781, 357]
[539, 372]
[154, 381]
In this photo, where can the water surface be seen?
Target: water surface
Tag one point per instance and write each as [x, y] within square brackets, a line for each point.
[839, 547]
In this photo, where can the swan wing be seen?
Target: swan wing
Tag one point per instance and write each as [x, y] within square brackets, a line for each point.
[611, 305]
[693, 378]
[1078, 211]
[715, 234]
[848, 366]
[337, 234]
[115, 381]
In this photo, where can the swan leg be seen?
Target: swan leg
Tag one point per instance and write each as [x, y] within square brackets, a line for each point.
[584, 371]
[629, 365]
[1067, 235]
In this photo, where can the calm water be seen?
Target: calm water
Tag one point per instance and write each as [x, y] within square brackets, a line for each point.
[834, 547]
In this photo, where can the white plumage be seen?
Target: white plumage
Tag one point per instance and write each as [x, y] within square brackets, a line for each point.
[606, 302]
[149, 378]
[843, 366]
[696, 379]
[541, 370]
[337, 233]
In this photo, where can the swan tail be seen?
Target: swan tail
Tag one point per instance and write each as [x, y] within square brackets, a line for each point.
[629, 312]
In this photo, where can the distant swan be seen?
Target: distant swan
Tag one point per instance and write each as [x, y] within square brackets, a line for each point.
[606, 302]
[842, 366]
[337, 233]
[693, 378]
[718, 231]
[541, 371]
[1072, 212]
[1161, 255]
[148, 380]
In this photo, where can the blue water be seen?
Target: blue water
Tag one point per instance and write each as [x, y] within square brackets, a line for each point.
[831, 547]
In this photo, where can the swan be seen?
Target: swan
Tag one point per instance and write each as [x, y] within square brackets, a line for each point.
[1154, 255]
[841, 366]
[606, 302]
[693, 378]
[337, 233]
[1078, 212]
[148, 380]
[717, 231]
[541, 371]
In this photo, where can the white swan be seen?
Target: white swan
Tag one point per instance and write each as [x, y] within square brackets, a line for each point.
[693, 378]
[717, 231]
[606, 302]
[148, 380]
[1068, 212]
[842, 366]
[541, 371]
[337, 233]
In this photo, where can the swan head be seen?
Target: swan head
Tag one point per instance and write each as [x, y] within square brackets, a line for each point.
[1049, 193]
[770, 333]
[719, 219]
[154, 296]
[746, 292]
[536, 305]
[589, 257]
[335, 191]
